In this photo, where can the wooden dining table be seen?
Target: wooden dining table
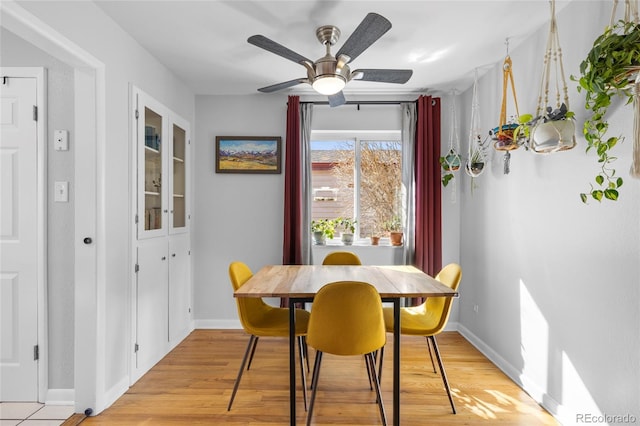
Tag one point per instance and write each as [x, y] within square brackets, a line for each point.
[300, 283]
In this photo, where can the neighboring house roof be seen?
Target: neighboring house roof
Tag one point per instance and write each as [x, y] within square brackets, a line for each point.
[326, 156]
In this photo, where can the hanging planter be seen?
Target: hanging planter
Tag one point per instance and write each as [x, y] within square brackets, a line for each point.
[506, 136]
[552, 130]
[451, 161]
[476, 159]
[610, 70]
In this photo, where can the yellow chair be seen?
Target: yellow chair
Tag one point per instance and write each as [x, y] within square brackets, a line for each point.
[346, 319]
[262, 320]
[346, 258]
[429, 318]
[341, 258]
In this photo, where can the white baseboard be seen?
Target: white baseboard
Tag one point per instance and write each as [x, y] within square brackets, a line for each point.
[115, 392]
[60, 397]
[211, 324]
[529, 386]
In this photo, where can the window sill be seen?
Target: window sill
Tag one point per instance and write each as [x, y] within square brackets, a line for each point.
[383, 254]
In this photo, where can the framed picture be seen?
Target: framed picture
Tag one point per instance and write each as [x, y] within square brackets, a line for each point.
[248, 154]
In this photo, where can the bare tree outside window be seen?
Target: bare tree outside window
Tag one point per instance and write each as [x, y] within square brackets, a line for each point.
[380, 175]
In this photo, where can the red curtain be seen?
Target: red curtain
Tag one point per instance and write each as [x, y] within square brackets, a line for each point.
[428, 251]
[292, 244]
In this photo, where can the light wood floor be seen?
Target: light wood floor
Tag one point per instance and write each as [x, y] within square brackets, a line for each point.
[193, 383]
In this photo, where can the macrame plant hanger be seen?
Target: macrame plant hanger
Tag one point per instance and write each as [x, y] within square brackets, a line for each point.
[476, 157]
[503, 134]
[552, 136]
[451, 161]
[631, 15]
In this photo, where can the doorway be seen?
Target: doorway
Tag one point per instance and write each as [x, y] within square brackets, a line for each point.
[89, 131]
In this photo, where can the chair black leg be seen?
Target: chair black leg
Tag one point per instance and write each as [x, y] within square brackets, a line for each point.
[253, 351]
[369, 373]
[306, 352]
[303, 374]
[380, 365]
[250, 345]
[431, 355]
[444, 375]
[314, 385]
[372, 365]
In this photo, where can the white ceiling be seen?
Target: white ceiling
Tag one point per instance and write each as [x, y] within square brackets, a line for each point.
[205, 42]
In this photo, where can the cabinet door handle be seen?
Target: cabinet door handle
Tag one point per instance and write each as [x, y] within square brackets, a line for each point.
[164, 258]
[166, 211]
[87, 240]
[173, 255]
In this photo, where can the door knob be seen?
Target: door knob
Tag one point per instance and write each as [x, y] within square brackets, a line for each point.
[87, 240]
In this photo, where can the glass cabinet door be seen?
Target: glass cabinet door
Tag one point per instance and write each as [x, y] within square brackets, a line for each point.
[153, 173]
[178, 172]
[163, 161]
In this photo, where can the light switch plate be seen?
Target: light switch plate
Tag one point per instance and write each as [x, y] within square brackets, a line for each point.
[61, 192]
[60, 140]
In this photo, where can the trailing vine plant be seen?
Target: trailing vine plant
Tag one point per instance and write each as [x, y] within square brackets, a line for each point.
[605, 73]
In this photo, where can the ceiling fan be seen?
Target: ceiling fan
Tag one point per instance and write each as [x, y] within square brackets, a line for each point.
[329, 74]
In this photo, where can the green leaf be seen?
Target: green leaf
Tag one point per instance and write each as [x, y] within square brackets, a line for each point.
[583, 197]
[602, 149]
[611, 194]
[597, 195]
[599, 179]
[619, 182]
[525, 118]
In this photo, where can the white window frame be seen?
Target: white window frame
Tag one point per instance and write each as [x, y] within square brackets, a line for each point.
[357, 136]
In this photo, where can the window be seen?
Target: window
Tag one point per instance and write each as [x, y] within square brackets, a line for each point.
[357, 175]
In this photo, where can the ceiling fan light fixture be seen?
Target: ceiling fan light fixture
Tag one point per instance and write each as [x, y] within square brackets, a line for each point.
[328, 84]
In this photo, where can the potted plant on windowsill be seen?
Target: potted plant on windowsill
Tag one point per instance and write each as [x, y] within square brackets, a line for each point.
[607, 72]
[322, 229]
[348, 226]
[394, 227]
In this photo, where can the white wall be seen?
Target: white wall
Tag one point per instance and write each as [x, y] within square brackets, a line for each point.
[60, 216]
[555, 281]
[83, 26]
[235, 216]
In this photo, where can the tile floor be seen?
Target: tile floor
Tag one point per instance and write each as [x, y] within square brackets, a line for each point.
[33, 414]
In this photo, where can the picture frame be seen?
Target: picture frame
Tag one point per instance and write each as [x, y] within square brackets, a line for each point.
[248, 154]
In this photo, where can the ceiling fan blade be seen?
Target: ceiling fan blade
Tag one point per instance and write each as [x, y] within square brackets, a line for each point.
[372, 27]
[273, 47]
[337, 99]
[284, 85]
[382, 75]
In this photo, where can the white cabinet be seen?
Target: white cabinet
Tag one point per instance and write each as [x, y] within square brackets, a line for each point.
[161, 291]
[163, 160]
[179, 294]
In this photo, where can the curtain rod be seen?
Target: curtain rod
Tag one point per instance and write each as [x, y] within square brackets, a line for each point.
[359, 102]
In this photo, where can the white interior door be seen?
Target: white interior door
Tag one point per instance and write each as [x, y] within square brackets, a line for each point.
[19, 240]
